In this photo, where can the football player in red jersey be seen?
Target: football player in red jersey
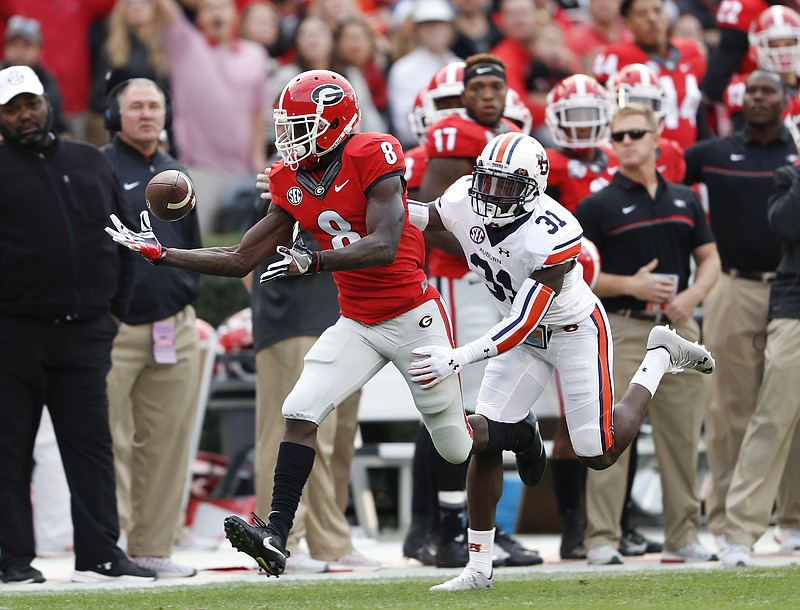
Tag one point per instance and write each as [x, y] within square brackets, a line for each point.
[775, 42]
[578, 115]
[464, 103]
[348, 191]
[417, 158]
[678, 64]
[636, 83]
[734, 18]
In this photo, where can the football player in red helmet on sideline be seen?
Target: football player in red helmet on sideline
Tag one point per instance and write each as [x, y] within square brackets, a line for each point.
[638, 84]
[734, 20]
[347, 190]
[679, 66]
[775, 45]
[524, 245]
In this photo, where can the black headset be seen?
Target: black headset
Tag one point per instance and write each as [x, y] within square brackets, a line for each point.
[113, 120]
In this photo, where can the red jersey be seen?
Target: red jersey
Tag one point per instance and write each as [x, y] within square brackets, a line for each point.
[679, 74]
[738, 15]
[416, 162]
[332, 207]
[670, 161]
[575, 179]
[461, 137]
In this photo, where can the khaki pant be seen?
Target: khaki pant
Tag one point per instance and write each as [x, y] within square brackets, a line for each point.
[768, 442]
[152, 415]
[676, 414]
[320, 516]
[735, 330]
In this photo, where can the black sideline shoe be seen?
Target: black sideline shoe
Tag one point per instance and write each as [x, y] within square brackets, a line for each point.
[22, 575]
[121, 570]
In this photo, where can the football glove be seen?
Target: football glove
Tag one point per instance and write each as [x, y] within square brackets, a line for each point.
[304, 259]
[441, 362]
[145, 242]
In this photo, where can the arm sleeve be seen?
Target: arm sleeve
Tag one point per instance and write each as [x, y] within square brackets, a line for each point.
[783, 211]
[733, 46]
[530, 305]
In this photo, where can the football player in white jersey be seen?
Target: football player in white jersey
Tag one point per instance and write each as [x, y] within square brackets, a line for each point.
[525, 247]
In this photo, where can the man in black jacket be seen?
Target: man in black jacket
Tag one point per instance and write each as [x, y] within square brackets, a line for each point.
[63, 289]
[771, 442]
[737, 172]
[156, 356]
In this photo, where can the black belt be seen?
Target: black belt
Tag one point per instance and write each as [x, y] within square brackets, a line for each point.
[640, 314]
[71, 318]
[757, 276]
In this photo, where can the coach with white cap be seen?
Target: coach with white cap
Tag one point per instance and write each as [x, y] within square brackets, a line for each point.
[62, 290]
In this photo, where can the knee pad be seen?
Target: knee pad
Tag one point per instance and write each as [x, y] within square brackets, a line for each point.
[438, 399]
[586, 442]
[450, 435]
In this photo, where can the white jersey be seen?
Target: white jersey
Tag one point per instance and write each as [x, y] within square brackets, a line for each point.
[551, 236]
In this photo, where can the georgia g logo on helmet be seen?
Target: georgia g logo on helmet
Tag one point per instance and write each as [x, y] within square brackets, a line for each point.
[327, 94]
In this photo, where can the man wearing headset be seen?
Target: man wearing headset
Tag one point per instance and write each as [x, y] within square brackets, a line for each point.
[156, 354]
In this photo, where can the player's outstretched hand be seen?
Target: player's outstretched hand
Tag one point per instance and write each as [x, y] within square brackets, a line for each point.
[145, 242]
[437, 363]
[297, 259]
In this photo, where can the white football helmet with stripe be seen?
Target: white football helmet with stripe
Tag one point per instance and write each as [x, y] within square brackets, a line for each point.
[509, 177]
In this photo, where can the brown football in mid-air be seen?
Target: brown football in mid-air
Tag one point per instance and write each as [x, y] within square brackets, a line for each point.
[170, 195]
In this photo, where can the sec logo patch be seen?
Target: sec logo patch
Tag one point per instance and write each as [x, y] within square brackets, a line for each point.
[477, 234]
[294, 195]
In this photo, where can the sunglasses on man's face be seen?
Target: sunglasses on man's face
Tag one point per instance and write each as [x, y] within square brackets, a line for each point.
[633, 134]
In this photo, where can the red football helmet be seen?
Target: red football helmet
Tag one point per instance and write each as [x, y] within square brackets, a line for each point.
[775, 36]
[578, 112]
[443, 97]
[517, 111]
[316, 111]
[418, 119]
[236, 340]
[637, 84]
[589, 258]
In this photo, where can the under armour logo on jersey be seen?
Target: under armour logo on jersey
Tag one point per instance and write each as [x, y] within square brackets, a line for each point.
[477, 235]
[504, 252]
[425, 321]
[327, 95]
[294, 195]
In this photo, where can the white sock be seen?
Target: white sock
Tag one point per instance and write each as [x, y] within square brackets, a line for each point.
[481, 548]
[652, 369]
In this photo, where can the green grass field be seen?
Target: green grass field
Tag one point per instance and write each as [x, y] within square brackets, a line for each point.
[720, 589]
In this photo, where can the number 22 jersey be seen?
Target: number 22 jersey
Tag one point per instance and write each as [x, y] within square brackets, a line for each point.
[332, 206]
[505, 257]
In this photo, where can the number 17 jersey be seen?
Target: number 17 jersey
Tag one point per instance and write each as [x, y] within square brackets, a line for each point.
[505, 257]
